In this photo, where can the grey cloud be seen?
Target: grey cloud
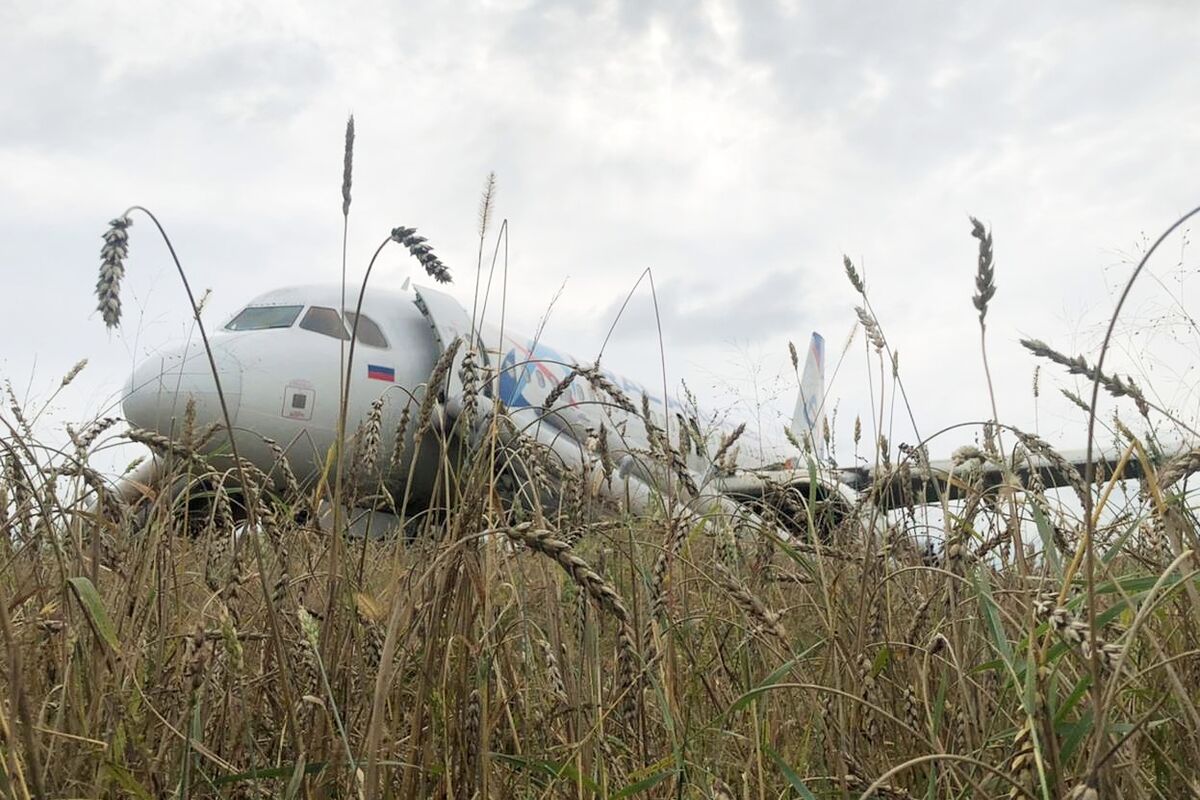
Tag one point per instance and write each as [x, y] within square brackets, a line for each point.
[70, 101]
[738, 154]
[563, 43]
[696, 313]
[910, 86]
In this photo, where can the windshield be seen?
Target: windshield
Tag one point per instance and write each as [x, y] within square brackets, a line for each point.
[257, 318]
[368, 332]
[324, 321]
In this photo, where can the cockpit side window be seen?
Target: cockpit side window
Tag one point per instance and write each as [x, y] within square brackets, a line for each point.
[368, 332]
[326, 321]
[258, 318]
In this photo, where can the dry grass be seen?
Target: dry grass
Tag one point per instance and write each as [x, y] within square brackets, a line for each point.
[592, 655]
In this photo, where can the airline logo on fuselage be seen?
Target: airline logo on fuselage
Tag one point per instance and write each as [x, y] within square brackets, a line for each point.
[529, 372]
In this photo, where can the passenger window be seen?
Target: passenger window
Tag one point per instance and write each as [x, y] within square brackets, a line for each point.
[326, 321]
[368, 332]
[259, 318]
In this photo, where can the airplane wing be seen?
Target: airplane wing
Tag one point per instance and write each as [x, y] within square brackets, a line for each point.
[839, 490]
[953, 479]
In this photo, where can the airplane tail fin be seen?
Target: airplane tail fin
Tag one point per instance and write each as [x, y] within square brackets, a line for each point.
[808, 421]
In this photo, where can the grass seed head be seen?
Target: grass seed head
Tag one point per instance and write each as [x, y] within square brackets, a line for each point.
[554, 672]
[600, 382]
[1179, 467]
[487, 203]
[855, 280]
[399, 440]
[371, 435]
[559, 390]
[985, 274]
[794, 441]
[727, 443]
[84, 439]
[1115, 385]
[871, 326]
[468, 374]
[308, 626]
[73, 373]
[433, 390]
[754, 609]
[112, 270]
[421, 251]
[347, 166]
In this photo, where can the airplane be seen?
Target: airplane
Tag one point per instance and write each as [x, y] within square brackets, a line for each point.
[279, 360]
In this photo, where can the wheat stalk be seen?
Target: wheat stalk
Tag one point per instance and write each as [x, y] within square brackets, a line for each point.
[601, 383]
[432, 389]
[73, 373]
[421, 251]
[1077, 633]
[1022, 766]
[985, 275]
[372, 428]
[487, 203]
[559, 390]
[754, 609]
[871, 326]
[603, 593]
[112, 270]
[728, 441]
[1179, 467]
[1078, 365]
[855, 280]
[553, 671]
[347, 165]
[398, 442]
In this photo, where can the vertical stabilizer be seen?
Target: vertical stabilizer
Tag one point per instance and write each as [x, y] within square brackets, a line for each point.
[809, 418]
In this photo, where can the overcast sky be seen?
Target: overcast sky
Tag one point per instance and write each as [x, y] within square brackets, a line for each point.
[737, 150]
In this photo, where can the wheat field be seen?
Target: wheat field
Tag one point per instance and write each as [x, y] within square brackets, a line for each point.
[569, 650]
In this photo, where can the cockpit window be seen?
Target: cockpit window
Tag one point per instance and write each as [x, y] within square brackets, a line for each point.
[324, 320]
[258, 318]
[368, 332]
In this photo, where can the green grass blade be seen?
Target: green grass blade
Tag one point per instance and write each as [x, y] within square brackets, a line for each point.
[645, 783]
[789, 774]
[89, 598]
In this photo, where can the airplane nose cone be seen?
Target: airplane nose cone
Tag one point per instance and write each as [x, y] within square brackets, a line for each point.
[157, 394]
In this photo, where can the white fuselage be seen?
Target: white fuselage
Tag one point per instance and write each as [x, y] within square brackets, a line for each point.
[279, 362]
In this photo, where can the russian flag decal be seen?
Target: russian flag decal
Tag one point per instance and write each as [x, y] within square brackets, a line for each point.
[378, 373]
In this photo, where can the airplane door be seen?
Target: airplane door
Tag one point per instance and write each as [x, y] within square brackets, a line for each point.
[450, 320]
